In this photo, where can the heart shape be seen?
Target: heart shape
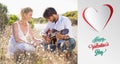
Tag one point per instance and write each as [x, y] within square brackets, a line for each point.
[98, 19]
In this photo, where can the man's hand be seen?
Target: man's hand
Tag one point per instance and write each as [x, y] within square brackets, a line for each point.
[58, 35]
[66, 37]
[44, 36]
[48, 40]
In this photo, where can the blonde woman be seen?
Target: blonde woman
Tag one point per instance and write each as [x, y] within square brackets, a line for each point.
[22, 35]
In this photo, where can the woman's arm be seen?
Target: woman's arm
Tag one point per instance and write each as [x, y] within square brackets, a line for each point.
[15, 33]
[35, 40]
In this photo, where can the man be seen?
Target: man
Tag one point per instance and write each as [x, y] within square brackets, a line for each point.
[59, 23]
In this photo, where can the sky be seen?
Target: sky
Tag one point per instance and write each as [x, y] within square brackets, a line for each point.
[38, 6]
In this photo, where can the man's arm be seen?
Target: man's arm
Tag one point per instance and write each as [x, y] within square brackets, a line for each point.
[68, 25]
[44, 33]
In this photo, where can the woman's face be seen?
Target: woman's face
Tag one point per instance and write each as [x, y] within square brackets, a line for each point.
[28, 16]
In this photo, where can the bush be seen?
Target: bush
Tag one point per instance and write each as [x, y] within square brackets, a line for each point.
[40, 20]
[74, 21]
[11, 22]
[12, 19]
[31, 23]
[73, 16]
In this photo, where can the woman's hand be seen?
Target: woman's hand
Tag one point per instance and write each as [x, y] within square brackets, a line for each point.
[37, 43]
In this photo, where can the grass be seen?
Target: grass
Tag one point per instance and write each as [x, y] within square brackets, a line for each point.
[42, 57]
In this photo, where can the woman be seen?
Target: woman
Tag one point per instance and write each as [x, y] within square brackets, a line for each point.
[22, 38]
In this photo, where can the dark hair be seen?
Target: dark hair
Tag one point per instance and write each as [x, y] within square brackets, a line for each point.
[49, 12]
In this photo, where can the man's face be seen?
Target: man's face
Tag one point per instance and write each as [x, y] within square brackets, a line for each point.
[51, 19]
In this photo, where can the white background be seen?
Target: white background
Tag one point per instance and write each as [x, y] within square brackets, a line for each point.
[111, 33]
[38, 6]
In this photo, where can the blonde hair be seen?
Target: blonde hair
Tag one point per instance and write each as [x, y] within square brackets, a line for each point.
[25, 11]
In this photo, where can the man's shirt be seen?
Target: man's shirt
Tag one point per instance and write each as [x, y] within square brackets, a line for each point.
[62, 23]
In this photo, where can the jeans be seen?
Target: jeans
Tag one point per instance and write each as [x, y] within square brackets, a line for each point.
[70, 46]
[52, 47]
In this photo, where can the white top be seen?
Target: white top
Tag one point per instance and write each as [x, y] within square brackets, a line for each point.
[20, 33]
[13, 45]
[62, 23]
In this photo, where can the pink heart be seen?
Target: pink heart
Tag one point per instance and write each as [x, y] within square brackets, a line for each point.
[98, 19]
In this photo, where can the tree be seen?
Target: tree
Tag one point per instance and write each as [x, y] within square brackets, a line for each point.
[3, 16]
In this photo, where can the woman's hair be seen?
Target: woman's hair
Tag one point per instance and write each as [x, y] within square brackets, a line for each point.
[49, 12]
[25, 11]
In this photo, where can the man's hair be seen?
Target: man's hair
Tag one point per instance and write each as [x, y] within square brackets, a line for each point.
[49, 12]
